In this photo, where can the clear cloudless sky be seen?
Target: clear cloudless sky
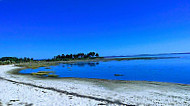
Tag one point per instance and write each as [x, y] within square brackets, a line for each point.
[44, 28]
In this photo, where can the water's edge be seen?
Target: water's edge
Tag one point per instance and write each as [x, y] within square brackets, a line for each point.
[16, 72]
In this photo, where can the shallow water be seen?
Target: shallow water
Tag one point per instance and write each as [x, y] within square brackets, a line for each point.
[175, 70]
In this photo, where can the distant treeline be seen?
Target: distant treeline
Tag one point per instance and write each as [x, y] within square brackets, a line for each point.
[12, 60]
[63, 57]
[66, 57]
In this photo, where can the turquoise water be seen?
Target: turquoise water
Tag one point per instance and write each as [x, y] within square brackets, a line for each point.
[175, 70]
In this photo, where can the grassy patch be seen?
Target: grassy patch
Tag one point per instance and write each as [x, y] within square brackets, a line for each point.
[45, 74]
[36, 65]
[40, 74]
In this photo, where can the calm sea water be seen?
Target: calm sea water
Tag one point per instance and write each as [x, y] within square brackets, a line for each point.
[175, 70]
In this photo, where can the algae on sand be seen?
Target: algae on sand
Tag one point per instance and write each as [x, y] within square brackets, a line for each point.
[52, 75]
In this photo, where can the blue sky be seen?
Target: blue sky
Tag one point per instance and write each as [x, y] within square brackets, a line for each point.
[44, 28]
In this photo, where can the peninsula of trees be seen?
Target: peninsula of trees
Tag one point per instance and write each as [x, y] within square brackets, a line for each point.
[62, 57]
[66, 57]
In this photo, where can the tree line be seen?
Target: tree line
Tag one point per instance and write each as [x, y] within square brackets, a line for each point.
[62, 57]
[12, 60]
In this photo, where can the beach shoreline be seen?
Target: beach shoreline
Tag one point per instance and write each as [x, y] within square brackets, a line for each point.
[126, 92]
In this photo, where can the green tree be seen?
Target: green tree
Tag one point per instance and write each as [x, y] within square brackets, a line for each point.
[97, 55]
[63, 56]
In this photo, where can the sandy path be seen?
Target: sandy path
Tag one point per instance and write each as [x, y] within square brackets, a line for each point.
[14, 90]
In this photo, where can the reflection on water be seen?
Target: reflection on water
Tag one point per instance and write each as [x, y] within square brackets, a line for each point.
[175, 70]
[82, 64]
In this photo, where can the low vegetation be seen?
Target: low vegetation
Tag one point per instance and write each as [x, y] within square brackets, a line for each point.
[35, 65]
[52, 75]
[45, 73]
[30, 63]
[13, 60]
[67, 57]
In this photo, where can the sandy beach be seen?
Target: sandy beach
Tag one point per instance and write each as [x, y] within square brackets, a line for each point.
[26, 90]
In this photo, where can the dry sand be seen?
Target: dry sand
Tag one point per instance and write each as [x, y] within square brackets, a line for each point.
[26, 90]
